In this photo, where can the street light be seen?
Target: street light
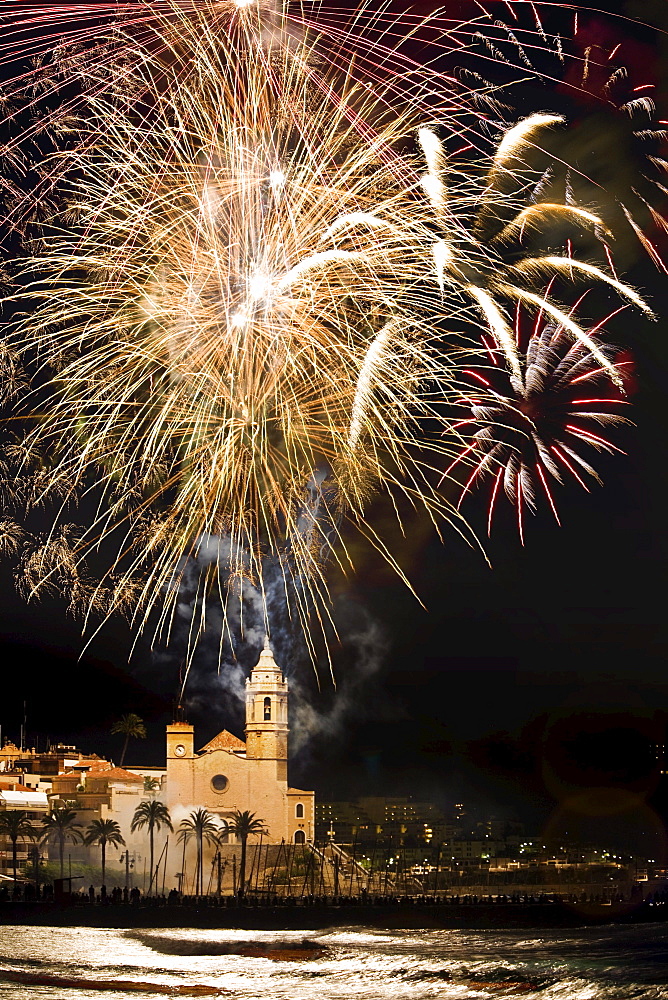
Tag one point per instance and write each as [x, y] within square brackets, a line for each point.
[129, 864]
[36, 858]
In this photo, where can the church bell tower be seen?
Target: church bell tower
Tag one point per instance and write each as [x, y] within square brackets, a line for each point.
[267, 713]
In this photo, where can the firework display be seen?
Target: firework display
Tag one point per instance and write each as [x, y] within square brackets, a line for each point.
[250, 272]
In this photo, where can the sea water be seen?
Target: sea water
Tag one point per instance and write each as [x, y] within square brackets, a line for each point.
[620, 962]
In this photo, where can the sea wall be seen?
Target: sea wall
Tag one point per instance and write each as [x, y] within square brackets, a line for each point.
[312, 915]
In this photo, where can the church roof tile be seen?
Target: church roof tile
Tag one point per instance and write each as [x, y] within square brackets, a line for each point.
[224, 741]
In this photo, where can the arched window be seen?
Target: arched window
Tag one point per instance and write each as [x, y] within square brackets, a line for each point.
[224, 835]
[300, 837]
[299, 811]
[267, 709]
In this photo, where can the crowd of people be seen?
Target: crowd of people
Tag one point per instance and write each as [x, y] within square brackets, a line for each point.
[27, 892]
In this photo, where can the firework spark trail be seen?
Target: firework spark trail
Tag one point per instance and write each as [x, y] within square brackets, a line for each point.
[258, 341]
[372, 370]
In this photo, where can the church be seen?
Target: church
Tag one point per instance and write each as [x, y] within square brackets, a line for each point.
[228, 774]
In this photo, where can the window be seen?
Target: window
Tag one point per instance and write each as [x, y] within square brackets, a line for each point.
[224, 835]
[300, 837]
[299, 811]
[267, 709]
[219, 783]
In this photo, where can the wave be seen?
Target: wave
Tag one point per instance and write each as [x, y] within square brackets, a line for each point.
[29, 978]
[276, 949]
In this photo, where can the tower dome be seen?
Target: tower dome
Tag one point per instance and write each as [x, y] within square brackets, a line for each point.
[267, 661]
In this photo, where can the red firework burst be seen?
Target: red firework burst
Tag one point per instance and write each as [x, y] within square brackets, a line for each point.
[527, 437]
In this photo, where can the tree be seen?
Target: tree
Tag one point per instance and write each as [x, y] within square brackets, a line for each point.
[103, 832]
[16, 826]
[129, 725]
[244, 825]
[61, 825]
[154, 815]
[200, 825]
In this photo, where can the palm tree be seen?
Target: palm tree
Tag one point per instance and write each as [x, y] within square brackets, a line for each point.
[244, 825]
[129, 725]
[61, 825]
[154, 815]
[103, 832]
[16, 826]
[201, 825]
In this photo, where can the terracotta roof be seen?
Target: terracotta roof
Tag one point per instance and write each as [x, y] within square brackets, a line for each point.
[224, 741]
[99, 763]
[115, 774]
[14, 786]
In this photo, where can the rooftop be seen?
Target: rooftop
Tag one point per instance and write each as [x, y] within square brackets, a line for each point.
[13, 786]
[115, 774]
[224, 741]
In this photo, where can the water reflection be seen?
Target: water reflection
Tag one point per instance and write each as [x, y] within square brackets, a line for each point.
[604, 963]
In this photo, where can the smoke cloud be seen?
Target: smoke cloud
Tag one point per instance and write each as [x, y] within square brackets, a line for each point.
[238, 616]
[365, 646]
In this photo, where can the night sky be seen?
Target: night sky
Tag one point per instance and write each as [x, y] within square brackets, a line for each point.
[518, 687]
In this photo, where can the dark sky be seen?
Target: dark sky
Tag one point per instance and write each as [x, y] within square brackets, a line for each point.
[518, 687]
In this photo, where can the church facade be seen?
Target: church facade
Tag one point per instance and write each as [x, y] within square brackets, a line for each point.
[228, 774]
